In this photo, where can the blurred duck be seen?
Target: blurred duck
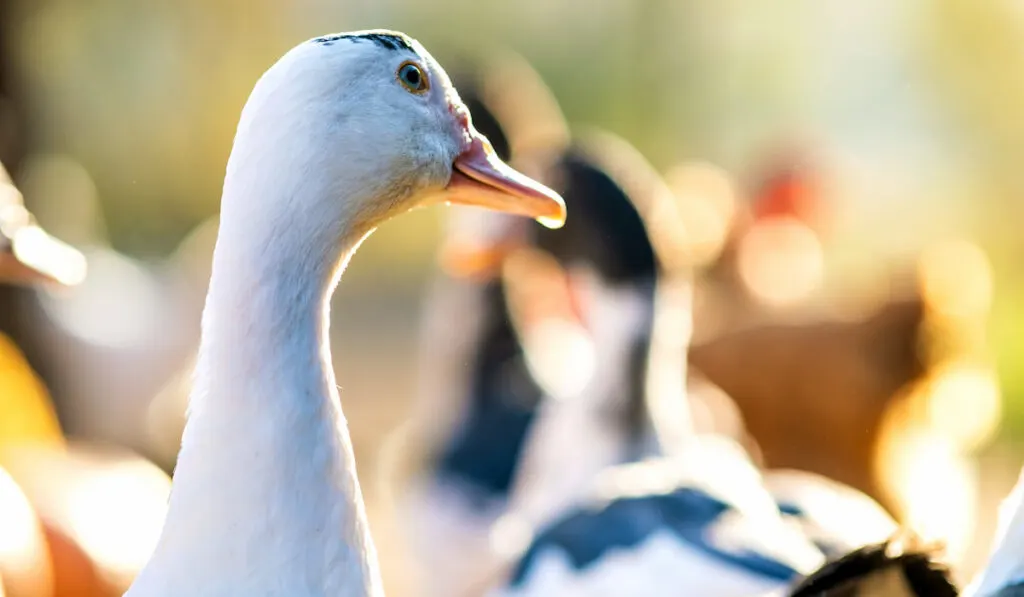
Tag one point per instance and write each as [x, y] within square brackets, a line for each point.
[26, 413]
[895, 370]
[28, 255]
[74, 523]
[509, 469]
[703, 523]
[699, 523]
[894, 378]
[701, 520]
[112, 340]
[550, 323]
[767, 370]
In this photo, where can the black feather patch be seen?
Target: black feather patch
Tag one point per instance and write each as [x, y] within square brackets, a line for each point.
[925, 575]
[389, 41]
[586, 535]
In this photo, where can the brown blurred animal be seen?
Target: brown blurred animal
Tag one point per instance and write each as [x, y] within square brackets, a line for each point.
[833, 396]
[814, 396]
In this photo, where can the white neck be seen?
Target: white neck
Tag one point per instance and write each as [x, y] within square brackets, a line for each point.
[1006, 563]
[265, 498]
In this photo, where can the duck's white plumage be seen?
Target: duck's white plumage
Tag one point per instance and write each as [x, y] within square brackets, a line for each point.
[696, 524]
[330, 144]
[1004, 572]
[836, 517]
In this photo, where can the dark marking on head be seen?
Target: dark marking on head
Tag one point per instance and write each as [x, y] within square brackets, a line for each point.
[924, 574]
[389, 41]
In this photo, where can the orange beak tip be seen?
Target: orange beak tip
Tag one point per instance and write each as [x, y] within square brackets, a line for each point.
[553, 222]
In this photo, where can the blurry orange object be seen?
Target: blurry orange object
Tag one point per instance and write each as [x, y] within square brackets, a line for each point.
[26, 413]
[24, 559]
[26, 418]
[102, 511]
[814, 395]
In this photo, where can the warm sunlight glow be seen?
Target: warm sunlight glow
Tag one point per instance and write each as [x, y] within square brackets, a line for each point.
[561, 355]
[21, 541]
[936, 488]
[964, 403]
[707, 204]
[956, 279]
[781, 261]
[117, 514]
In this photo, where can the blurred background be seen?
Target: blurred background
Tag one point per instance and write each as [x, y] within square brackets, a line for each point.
[116, 119]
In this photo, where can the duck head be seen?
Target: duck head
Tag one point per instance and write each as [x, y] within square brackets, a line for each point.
[28, 254]
[372, 118]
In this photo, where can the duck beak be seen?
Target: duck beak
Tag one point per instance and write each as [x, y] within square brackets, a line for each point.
[28, 254]
[33, 257]
[480, 178]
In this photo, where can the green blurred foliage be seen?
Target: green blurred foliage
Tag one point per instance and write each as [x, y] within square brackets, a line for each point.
[918, 105]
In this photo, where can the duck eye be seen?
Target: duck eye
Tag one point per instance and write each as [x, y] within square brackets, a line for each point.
[412, 77]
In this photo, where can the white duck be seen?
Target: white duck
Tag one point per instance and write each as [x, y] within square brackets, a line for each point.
[341, 134]
[1003, 576]
[547, 371]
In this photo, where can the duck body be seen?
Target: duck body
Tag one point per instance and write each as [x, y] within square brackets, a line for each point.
[514, 448]
[342, 133]
[700, 525]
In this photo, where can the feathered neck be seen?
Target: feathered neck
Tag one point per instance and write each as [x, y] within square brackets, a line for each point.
[265, 498]
[1005, 567]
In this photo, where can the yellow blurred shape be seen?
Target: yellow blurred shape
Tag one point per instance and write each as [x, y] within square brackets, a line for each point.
[26, 413]
[781, 261]
[956, 279]
[964, 403]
